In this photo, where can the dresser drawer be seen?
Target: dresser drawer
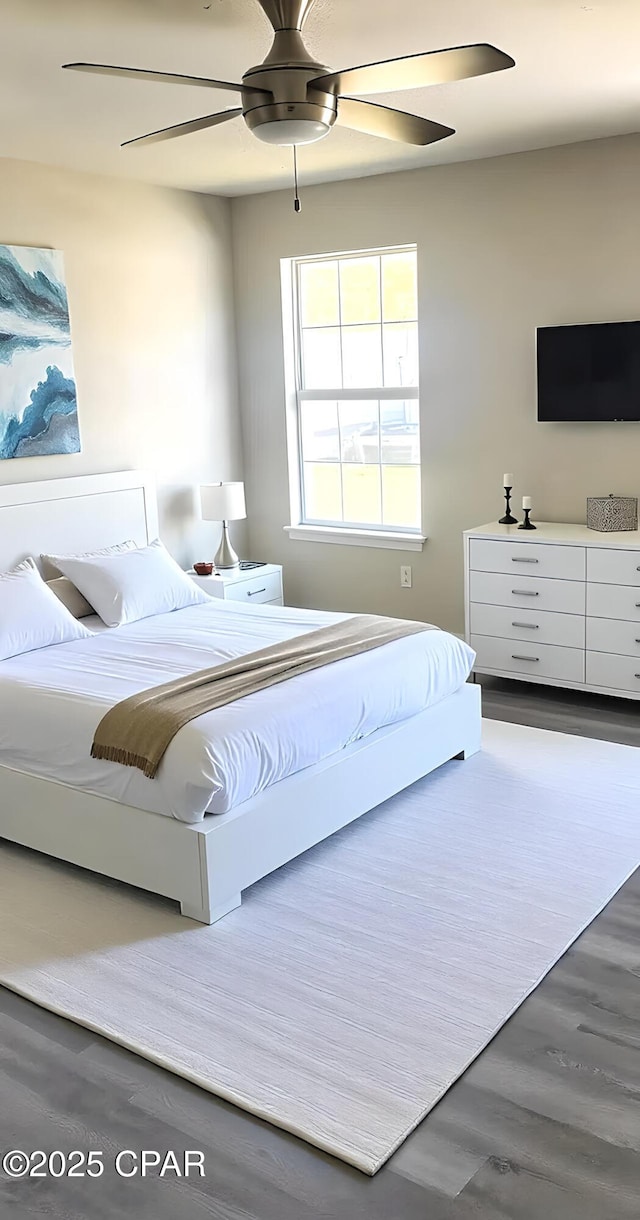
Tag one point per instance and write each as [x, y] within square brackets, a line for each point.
[530, 558]
[533, 626]
[612, 635]
[614, 602]
[535, 660]
[259, 589]
[530, 592]
[615, 672]
[613, 567]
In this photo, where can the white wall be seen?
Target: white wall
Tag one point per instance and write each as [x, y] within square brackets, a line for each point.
[504, 245]
[150, 295]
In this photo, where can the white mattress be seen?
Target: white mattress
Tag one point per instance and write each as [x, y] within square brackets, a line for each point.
[52, 700]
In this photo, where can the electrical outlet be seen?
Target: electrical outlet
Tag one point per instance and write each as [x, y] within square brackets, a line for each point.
[405, 577]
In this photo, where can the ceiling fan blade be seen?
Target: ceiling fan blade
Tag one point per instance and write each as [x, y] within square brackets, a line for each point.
[185, 129]
[390, 124]
[416, 71]
[165, 78]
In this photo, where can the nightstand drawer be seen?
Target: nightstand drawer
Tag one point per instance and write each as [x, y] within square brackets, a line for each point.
[527, 559]
[267, 588]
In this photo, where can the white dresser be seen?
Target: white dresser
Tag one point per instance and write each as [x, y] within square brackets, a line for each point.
[559, 605]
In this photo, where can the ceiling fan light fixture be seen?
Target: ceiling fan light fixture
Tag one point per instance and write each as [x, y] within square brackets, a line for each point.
[294, 122]
[292, 131]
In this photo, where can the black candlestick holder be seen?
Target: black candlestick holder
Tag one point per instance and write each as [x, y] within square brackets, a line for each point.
[508, 519]
[527, 524]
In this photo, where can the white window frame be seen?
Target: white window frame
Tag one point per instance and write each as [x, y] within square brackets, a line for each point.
[397, 537]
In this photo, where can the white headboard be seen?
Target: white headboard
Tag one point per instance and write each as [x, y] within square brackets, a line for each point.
[65, 516]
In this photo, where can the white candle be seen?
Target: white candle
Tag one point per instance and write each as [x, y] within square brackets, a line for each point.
[507, 480]
[526, 502]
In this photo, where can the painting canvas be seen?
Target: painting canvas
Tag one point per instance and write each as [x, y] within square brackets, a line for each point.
[38, 408]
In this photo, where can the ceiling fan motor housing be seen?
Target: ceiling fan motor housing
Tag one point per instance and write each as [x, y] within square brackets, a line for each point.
[277, 105]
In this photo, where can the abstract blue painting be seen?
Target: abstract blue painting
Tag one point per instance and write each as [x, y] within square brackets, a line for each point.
[38, 408]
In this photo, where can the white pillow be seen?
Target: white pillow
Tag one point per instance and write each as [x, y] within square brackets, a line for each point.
[30, 614]
[133, 584]
[51, 566]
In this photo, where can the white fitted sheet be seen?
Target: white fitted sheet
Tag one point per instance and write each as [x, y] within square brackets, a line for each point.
[52, 700]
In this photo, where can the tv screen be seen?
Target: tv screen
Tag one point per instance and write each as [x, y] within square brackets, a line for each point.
[589, 372]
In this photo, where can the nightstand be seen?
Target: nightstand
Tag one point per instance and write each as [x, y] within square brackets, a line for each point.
[254, 585]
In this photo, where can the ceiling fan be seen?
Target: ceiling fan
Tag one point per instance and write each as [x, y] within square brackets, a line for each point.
[290, 98]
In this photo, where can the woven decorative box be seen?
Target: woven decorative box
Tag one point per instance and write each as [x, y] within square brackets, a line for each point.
[611, 513]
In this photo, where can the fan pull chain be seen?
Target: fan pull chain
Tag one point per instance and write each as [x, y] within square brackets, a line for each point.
[296, 199]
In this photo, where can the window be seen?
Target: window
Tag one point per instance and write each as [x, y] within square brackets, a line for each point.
[355, 324]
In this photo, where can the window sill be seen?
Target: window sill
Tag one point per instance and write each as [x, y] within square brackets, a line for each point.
[384, 539]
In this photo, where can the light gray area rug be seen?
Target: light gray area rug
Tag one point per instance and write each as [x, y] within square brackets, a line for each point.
[354, 986]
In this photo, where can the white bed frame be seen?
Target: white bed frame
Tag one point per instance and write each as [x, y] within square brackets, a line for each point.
[206, 866]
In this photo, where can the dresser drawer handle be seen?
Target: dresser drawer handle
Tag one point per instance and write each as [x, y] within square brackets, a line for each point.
[534, 627]
[255, 592]
[520, 560]
[516, 657]
[636, 675]
[524, 593]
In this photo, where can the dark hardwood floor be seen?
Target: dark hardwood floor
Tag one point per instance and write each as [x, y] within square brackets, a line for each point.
[544, 1126]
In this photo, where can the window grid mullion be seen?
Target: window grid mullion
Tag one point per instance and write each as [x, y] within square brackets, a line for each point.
[340, 461]
[356, 393]
[299, 352]
[340, 449]
[380, 463]
[303, 484]
[340, 322]
[350, 325]
[380, 330]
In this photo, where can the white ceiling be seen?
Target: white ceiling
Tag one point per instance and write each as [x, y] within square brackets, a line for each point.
[577, 77]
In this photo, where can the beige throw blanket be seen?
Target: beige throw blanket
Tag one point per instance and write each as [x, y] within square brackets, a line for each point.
[137, 731]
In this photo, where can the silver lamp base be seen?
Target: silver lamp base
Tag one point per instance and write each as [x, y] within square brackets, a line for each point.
[225, 555]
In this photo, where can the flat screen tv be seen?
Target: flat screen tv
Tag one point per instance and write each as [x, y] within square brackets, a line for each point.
[589, 372]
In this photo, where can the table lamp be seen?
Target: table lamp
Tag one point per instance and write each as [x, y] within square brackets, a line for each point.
[223, 502]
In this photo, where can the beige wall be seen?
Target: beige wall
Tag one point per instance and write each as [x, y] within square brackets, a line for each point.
[504, 245]
[150, 296]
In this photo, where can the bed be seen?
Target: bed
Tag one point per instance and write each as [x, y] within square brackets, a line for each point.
[291, 765]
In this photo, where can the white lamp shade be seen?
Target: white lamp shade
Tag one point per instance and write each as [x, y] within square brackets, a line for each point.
[222, 501]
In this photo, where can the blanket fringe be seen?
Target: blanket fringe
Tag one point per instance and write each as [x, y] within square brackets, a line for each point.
[126, 757]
